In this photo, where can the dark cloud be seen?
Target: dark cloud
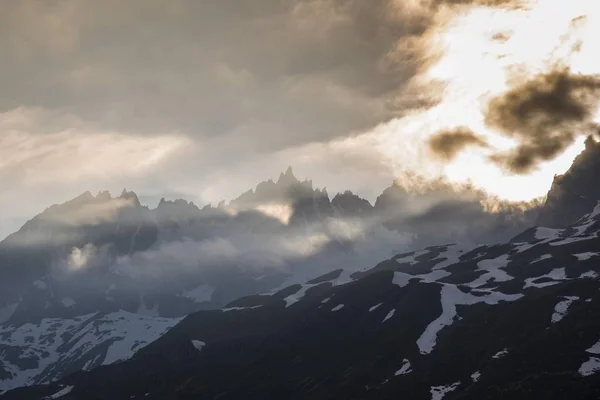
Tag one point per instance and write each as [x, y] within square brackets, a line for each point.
[486, 3]
[272, 74]
[501, 36]
[545, 115]
[447, 144]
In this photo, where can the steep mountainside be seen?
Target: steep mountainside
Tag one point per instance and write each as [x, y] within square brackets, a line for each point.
[575, 192]
[97, 256]
[56, 347]
[515, 320]
[123, 245]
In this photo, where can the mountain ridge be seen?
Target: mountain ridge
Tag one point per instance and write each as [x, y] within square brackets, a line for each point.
[486, 320]
[535, 258]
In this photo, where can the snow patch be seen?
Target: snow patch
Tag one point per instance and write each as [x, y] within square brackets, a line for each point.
[240, 308]
[450, 256]
[89, 364]
[438, 392]
[524, 246]
[562, 307]
[591, 366]
[556, 275]
[595, 349]
[402, 279]
[546, 233]
[405, 369]
[410, 259]
[500, 354]
[198, 344]
[542, 258]
[475, 376]
[62, 392]
[120, 333]
[587, 221]
[296, 297]
[388, 316]
[492, 270]
[572, 240]
[451, 296]
[585, 256]
[590, 275]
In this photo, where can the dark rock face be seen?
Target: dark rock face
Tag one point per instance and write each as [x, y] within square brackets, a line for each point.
[576, 192]
[350, 205]
[121, 226]
[308, 204]
[321, 339]
[443, 213]
[515, 320]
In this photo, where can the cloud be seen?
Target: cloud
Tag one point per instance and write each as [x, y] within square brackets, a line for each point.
[212, 68]
[545, 115]
[80, 257]
[487, 3]
[38, 147]
[92, 213]
[239, 92]
[448, 144]
[308, 250]
[48, 157]
[281, 212]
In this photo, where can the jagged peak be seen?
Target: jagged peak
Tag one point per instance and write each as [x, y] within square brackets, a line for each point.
[177, 202]
[104, 195]
[287, 176]
[130, 195]
[322, 192]
[87, 195]
[346, 194]
[590, 142]
[289, 171]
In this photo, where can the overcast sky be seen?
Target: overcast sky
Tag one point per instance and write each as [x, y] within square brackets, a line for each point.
[204, 98]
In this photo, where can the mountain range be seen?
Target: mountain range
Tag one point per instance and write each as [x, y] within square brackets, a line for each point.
[282, 293]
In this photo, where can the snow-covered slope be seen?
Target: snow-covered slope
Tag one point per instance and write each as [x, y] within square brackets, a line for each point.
[514, 320]
[42, 352]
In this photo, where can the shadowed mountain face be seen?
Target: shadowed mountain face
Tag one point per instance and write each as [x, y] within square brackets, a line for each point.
[43, 245]
[87, 245]
[575, 192]
[79, 269]
[512, 320]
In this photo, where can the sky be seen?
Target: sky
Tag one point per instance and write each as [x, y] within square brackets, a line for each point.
[204, 99]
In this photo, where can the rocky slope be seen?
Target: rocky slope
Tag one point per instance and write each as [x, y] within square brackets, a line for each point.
[56, 347]
[515, 320]
[91, 245]
[575, 192]
[96, 256]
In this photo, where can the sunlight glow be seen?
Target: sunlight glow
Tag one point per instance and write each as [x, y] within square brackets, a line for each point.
[484, 51]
